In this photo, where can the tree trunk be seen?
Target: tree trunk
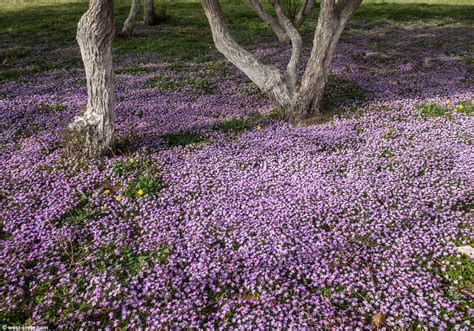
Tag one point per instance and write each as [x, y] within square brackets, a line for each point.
[309, 98]
[149, 15]
[297, 99]
[95, 33]
[129, 24]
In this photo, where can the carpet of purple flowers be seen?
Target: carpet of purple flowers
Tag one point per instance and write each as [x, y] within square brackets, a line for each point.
[212, 212]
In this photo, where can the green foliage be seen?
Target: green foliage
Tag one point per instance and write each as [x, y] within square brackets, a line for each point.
[162, 14]
[120, 168]
[183, 138]
[126, 262]
[163, 253]
[51, 107]
[164, 83]
[186, 37]
[144, 184]
[459, 275]
[432, 109]
[81, 213]
[291, 7]
[134, 70]
[200, 85]
[465, 107]
[339, 89]
[388, 135]
[123, 146]
[239, 125]
[387, 153]
[234, 125]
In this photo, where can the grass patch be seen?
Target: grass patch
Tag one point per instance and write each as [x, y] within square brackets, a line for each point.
[123, 146]
[134, 70]
[459, 275]
[237, 125]
[183, 138]
[338, 88]
[432, 109]
[200, 85]
[144, 184]
[51, 107]
[124, 261]
[164, 83]
[120, 168]
[185, 36]
[80, 214]
[465, 107]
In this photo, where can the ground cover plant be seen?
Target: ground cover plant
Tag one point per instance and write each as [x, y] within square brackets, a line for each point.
[212, 212]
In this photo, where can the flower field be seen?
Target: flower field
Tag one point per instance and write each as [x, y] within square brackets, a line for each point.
[211, 212]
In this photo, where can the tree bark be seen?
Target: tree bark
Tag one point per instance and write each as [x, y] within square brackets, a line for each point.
[267, 78]
[277, 29]
[305, 10]
[331, 23]
[149, 15]
[131, 20]
[297, 99]
[95, 33]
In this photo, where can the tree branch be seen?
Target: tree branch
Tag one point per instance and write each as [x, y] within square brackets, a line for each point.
[345, 8]
[303, 13]
[267, 18]
[296, 44]
[267, 78]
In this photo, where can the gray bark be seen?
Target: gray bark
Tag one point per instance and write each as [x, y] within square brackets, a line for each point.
[149, 15]
[276, 26]
[303, 13]
[271, 22]
[131, 20]
[297, 98]
[95, 33]
[267, 78]
[331, 22]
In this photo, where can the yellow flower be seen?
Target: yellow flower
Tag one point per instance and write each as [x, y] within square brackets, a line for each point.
[460, 107]
[107, 191]
[118, 198]
[131, 160]
[259, 127]
[140, 192]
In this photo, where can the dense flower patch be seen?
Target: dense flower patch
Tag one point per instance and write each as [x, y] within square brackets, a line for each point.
[213, 213]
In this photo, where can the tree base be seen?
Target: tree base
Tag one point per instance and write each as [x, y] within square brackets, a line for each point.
[314, 120]
[89, 137]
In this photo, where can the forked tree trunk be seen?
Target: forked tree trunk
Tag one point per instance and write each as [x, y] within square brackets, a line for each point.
[309, 97]
[149, 15]
[131, 20]
[95, 33]
[277, 28]
[297, 99]
[270, 21]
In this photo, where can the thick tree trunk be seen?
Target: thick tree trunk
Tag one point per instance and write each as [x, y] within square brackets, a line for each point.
[95, 33]
[267, 78]
[131, 20]
[149, 15]
[297, 99]
[331, 24]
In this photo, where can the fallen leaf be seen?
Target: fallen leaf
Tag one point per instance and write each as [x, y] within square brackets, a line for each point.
[379, 319]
